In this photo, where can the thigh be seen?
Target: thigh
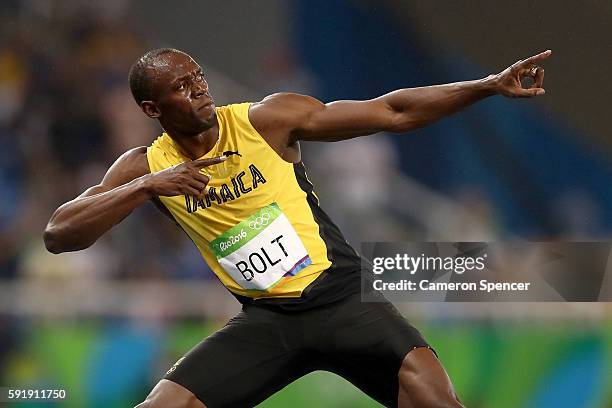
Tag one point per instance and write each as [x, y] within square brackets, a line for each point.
[250, 358]
[167, 394]
[370, 342]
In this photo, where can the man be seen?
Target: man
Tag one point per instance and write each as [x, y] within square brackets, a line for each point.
[232, 178]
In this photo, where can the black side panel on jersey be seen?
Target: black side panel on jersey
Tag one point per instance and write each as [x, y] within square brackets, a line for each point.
[341, 279]
[339, 252]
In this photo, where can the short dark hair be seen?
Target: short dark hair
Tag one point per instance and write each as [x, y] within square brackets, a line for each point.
[140, 83]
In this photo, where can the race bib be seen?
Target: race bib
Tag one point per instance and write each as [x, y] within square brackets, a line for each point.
[261, 250]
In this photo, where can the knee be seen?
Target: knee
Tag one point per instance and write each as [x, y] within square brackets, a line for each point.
[417, 394]
[423, 382]
[168, 394]
[148, 403]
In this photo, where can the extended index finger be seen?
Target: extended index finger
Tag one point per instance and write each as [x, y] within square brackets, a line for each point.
[201, 163]
[537, 58]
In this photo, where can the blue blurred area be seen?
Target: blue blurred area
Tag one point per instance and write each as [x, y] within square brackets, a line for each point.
[124, 358]
[527, 160]
[578, 380]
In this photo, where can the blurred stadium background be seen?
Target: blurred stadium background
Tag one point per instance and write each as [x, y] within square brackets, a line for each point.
[107, 322]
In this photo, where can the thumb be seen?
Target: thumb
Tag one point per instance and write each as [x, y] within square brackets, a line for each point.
[531, 92]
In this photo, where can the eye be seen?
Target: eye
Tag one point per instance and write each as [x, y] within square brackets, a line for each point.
[181, 87]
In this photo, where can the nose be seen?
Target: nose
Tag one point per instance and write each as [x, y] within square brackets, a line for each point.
[199, 88]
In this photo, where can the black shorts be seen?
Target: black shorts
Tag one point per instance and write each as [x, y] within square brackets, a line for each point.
[263, 349]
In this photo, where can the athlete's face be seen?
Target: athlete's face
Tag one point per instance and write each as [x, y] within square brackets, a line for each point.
[182, 99]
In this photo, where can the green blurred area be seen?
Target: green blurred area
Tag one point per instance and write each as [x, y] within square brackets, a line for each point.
[114, 364]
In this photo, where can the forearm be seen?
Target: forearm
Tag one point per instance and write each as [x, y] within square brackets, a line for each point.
[417, 107]
[79, 223]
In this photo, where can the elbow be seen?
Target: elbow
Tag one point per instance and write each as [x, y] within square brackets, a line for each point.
[406, 126]
[58, 241]
[401, 122]
[402, 128]
[53, 241]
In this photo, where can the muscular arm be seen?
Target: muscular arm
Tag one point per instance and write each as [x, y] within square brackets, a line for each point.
[127, 185]
[79, 223]
[288, 118]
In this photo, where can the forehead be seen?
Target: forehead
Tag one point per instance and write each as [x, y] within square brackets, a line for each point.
[170, 66]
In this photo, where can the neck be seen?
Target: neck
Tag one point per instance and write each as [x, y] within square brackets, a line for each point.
[196, 145]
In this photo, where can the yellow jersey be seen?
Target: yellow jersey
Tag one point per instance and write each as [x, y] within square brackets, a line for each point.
[259, 227]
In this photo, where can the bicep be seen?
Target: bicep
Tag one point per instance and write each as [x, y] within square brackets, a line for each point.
[300, 117]
[129, 166]
[341, 120]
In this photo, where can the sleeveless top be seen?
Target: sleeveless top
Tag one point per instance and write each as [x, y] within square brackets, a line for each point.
[260, 227]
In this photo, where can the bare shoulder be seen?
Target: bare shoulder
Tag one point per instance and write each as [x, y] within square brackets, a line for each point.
[280, 116]
[288, 99]
[130, 165]
[283, 110]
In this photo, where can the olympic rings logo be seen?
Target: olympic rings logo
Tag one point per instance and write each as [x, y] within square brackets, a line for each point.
[260, 221]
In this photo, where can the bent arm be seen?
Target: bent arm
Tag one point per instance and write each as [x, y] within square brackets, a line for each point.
[305, 118]
[399, 111]
[77, 224]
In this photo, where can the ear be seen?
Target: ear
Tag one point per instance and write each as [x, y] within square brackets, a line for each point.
[150, 109]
